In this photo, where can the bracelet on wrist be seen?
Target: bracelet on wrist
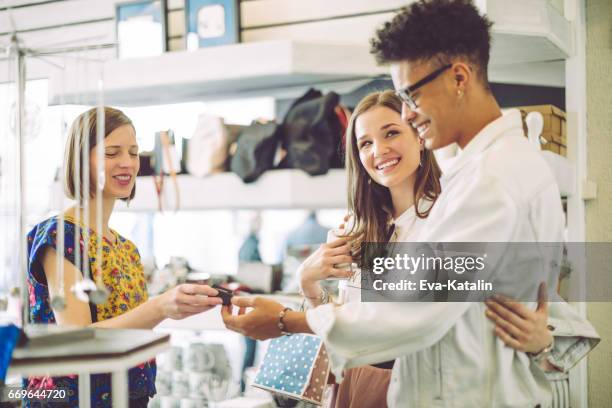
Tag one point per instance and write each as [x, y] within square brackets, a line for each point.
[281, 324]
[542, 354]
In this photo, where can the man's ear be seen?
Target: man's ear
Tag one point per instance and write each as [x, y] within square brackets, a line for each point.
[462, 76]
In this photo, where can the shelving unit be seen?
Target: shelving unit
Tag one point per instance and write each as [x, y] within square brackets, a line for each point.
[238, 70]
[527, 36]
[527, 31]
[275, 189]
[531, 39]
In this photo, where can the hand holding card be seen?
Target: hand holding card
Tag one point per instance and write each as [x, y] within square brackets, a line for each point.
[225, 294]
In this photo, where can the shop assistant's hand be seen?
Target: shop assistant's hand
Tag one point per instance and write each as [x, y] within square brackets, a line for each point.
[186, 300]
[518, 326]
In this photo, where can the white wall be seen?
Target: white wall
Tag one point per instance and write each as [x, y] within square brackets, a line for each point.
[69, 23]
[598, 213]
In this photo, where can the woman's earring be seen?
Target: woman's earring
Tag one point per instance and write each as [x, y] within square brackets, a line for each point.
[460, 93]
[128, 202]
[369, 181]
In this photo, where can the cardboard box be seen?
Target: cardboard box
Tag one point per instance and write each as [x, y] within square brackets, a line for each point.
[552, 147]
[553, 137]
[555, 128]
[564, 128]
[553, 116]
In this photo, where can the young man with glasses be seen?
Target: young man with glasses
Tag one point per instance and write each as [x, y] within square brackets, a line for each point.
[498, 190]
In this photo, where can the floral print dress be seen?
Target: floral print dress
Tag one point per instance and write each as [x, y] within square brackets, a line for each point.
[122, 274]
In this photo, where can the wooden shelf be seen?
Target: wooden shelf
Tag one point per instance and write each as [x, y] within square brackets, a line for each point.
[530, 42]
[527, 31]
[237, 70]
[275, 189]
[529, 38]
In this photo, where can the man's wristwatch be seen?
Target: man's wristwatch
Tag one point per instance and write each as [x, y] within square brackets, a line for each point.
[281, 324]
[542, 354]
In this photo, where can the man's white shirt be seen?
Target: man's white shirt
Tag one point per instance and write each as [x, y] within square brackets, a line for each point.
[498, 189]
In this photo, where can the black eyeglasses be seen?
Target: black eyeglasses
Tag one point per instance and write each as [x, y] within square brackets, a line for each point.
[404, 94]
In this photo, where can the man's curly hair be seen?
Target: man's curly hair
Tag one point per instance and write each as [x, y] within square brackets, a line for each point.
[442, 29]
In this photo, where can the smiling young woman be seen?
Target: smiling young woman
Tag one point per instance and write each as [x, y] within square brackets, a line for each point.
[393, 184]
[64, 252]
[388, 168]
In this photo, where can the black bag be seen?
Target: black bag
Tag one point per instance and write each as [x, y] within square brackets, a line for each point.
[147, 164]
[312, 133]
[255, 150]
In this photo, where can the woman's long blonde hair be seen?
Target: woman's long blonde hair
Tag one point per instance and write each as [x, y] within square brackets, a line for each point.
[370, 203]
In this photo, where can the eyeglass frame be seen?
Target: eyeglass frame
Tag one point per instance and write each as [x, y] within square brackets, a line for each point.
[404, 93]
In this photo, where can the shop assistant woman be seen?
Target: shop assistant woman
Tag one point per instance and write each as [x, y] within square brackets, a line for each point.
[120, 271]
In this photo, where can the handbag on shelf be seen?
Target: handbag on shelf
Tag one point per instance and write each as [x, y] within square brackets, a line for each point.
[295, 366]
[147, 164]
[255, 150]
[312, 133]
[207, 149]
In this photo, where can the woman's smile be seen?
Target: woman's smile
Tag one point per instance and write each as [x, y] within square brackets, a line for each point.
[388, 165]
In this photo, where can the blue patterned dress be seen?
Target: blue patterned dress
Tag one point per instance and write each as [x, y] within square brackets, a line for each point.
[123, 276]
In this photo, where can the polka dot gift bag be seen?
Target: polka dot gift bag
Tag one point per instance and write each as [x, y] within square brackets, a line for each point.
[295, 366]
